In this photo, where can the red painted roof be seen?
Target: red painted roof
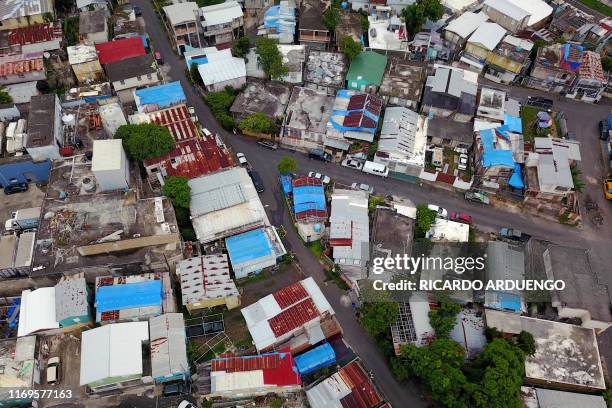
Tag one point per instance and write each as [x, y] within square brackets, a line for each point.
[21, 64]
[306, 181]
[35, 34]
[177, 120]
[358, 120]
[119, 50]
[445, 178]
[278, 368]
[193, 158]
[290, 295]
[293, 317]
[363, 394]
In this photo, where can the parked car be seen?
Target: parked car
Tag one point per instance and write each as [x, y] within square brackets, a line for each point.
[137, 11]
[158, 58]
[192, 113]
[174, 389]
[442, 213]
[477, 196]
[362, 187]
[539, 102]
[15, 188]
[186, 404]
[257, 181]
[268, 144]
[53, 370]
[514, 234]
[242, 159]
[325, 179]
[607, 187]
[352, 163]
[318, 154]
[463, 162]
[605, 128]
[461, 217]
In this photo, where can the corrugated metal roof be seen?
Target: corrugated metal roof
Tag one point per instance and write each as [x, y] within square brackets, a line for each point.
[290, 295]
[293, 317]
[71, 297]
[119, 50]
[21, 64]
[221, 70]
[205, 277]
[488, 35]
[23, 8]
[216, 191]
[168, 345]
[466, 24]
[178, 121]
[220, 13]
[35, 34]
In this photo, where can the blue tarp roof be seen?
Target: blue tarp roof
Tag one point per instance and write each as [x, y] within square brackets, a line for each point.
[514, 123]
[309, 198]
[161, 96]
[286, 183]
[248, 246]
[516, 180]
[316, 358]
[129, 295]
[346, 94]
[492, 156]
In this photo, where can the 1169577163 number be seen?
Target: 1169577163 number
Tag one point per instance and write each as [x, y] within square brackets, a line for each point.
[40, 394]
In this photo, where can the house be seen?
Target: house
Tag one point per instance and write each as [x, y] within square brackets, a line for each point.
[183, 21]
[429, 46]
[16, 69]
[518, 15]
[159, 97]
[252, 251]
[16, 254]
[508, 60]
[392, 232]
[296, 317]
[591, 80]
[112, 356]
[355, 115]
[190, 159]
[93, 28]
[293, 58]
[37, 312]
[168, 348]
[306, 120]
[83, 59]
[18, 357]
[130, 74]
[312, 31]
[35, 38]
[199, 55]
[402, 84]
[72, 302]
[120, 50]
[349, 232]
[222, 70]
[269, 98]
[499, 153]
[366, 71]
[505, 262]
[569, 22]
[544, 398]
[450, 93]
[45, 129]
[459, 29]
[221, 23]
[555, 68]
[402, 141]
[253, 376]
[87, 220]
[176, 119]
[412, 325]
[279, 22]
[444, 132]
[442, 230]
[325, 71]
[548, 169]
[309, 207]
[129, 298]
[583, 295]
[566, 357]
[24, 13]
[387, 34]
[206, 283]
[349, 384]
[482, 41]
[23, 169]
[112, 117]
[225, 203]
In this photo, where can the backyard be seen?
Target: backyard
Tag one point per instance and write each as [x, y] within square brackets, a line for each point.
[530, 124]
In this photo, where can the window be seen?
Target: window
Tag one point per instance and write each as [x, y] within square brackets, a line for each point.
[122, 82]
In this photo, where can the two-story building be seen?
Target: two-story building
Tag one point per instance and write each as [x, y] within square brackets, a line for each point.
[221, 23]
[45, 130]
[509, 60]
[93, 28]
[132, 73]
[555, 68]
[312, 31]
[16, 69]
[24, 13]
[183, 19]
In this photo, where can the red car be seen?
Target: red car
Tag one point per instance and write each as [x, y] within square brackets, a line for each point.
[461, 217]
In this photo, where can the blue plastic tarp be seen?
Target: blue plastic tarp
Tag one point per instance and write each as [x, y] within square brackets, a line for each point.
[286, 183]
[516, 180]
[514, 123]
[129, 295]
[506, 301]
[248, 246]
[309, 198]
[159, 97]
[316, 358]
[491, 156]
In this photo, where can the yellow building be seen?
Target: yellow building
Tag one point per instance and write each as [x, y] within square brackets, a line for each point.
[84, 61]
[24, 13]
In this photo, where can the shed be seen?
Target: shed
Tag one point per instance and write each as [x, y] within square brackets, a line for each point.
[110, 165]
[37, 311]
[252, 251]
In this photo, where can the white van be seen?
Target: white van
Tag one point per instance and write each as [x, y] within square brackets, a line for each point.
[377, 169]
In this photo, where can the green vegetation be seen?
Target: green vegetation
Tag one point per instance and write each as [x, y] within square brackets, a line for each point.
[241, 46]
[577, 178]
[443, 319]
[529, 120]
[331, 18]
[287, 165]
[5, 97]
[204, 3]
[374, 202]
[145, 141]
[525, 342]
[372, 149]
[363, 21]
[416, 14]
[258, 122]
[606, 63]
[184, 224]
[220, 103]
[270, 57]
[178, 191]
[349, 47]
[598, 5]
[377, 312]
[424, 218]
[194, 74]
[71, 30]
[334, 276]
[316, 247]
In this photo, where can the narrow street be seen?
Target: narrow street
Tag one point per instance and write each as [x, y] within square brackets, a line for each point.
[582, 121]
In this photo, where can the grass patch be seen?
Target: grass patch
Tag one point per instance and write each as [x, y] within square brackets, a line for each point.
[598, 6]
[334, 275]
[251, 279]
[530, 124]
[316, 247]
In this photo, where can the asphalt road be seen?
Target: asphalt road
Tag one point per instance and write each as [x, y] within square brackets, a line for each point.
[582, 120]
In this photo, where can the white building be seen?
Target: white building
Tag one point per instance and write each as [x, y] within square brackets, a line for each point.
[112, 118]
[222, 70]
[110, 165]
[45, 128]
[459, 29]
[37, 311]
[221, 22]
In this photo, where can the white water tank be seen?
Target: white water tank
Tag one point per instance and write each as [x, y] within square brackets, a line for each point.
[69, 119]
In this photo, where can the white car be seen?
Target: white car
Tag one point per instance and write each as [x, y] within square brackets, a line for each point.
[186, 404]
[192, 113]
[242, 159]
[442, 213]
[362, 187]
[463, 162]
[353, 164]
[325, 179]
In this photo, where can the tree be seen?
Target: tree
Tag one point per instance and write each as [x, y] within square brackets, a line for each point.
[178, 191]
[331, 18]
[425, 217]
[577, 177]
[378, 311]
[219, 103]
[363, 21]
[287, 165]
[349, 47]
[241, 47]
[606, 63]
[5, 97]
[194, 73]
[71, 30]
[257, 122]
[145, 141]
[525, 342]
[270, 57]
[443, 319]
[416, 14]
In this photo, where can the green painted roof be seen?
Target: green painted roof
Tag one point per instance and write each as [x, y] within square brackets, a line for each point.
[368, 65]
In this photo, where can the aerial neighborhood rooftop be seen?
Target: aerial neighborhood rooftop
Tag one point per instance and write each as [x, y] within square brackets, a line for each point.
[355, 204]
